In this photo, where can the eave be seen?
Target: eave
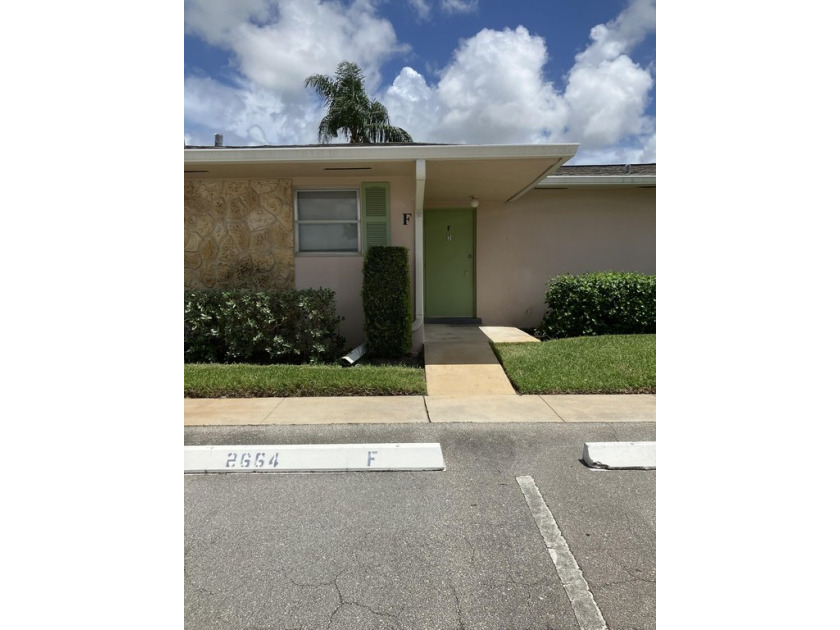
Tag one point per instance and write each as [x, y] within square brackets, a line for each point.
[455, 173]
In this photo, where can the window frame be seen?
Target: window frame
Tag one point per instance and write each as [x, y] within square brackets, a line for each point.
[358, 222]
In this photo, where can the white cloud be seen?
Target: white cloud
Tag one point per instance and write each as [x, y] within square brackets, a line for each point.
[246, 115]
[607, 91]
[620, 35]
[459, 6]
[308, 37]
[492, 92]
[648, 153]
[413, 105]
[638, 150]
[423, 8]
[607, 100]
[217, 21]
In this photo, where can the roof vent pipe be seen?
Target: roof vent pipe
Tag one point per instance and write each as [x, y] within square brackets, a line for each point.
[219, 140]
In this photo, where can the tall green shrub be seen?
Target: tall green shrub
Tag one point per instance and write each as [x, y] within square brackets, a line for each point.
[386, 298]
[245, 326]
[602, 303]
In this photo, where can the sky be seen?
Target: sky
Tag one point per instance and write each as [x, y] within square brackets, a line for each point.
[448, 71]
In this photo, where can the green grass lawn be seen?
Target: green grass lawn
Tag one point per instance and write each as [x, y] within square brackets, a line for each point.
[610, 364]
[261, 381]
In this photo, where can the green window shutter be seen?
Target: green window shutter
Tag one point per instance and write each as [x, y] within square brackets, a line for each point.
[376, 212]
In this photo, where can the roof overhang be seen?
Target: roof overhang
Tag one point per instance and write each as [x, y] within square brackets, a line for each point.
[454, 173]
[598, 181]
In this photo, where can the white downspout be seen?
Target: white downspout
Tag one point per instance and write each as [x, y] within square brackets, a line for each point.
[419, 198]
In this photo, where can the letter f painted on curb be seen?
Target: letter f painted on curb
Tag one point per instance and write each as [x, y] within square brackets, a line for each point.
[370, 457]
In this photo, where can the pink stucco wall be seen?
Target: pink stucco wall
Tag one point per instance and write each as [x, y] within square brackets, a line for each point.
[549, 232]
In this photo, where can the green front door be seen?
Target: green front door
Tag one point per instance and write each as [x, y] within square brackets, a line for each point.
[449, 262]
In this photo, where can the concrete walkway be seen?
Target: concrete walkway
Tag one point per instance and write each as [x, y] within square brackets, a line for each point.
[413, 409]
[460, 361]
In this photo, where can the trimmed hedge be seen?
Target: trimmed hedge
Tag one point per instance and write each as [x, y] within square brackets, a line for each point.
[603, 303]
[248, 326]
[386, 298]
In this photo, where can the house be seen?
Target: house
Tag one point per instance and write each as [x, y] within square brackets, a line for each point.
[485, 225]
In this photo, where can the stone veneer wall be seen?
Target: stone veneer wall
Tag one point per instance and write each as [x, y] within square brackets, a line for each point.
[239, 234]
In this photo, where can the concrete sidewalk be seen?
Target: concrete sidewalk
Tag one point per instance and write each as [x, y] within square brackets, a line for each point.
[420, 409]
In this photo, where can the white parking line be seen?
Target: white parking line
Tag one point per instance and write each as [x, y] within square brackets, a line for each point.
[583, 603]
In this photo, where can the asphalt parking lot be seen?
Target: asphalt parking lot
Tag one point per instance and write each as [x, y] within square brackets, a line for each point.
[455, 549]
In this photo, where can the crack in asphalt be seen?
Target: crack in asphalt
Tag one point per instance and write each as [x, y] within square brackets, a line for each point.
[472, 550]
[356, 602]
[342, 599]
[631, 580]
[636, 574]
[460, 613]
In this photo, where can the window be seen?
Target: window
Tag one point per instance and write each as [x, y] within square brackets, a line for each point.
[327, 221]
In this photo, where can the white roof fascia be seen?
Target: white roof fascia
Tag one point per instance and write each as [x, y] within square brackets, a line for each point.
[569, 181]
[379, 153]
[534, 183]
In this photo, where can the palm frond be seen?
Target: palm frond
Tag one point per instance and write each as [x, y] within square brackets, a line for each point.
[323, 85]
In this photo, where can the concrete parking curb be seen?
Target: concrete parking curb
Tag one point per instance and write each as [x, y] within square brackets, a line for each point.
[620, 455]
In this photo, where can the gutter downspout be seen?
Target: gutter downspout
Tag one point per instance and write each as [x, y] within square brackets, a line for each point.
[354, 355]
[419, 279]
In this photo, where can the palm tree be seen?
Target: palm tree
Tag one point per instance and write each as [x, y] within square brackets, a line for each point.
[349, 110]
